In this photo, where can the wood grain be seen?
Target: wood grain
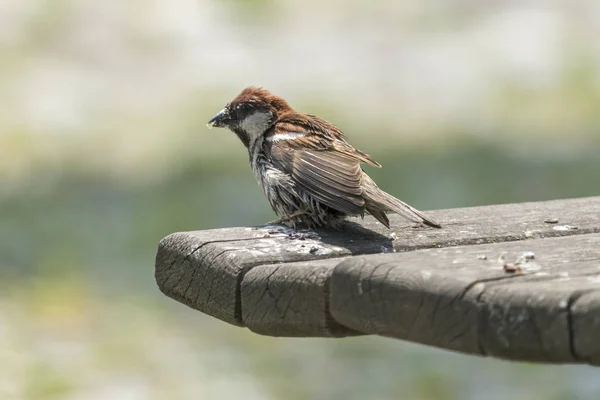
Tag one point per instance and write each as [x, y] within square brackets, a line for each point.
[454, 299]
[291, 300]
[431, 286]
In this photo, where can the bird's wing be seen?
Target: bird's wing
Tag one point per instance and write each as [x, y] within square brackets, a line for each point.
[318, 134]
[329, 177]
[320, 162]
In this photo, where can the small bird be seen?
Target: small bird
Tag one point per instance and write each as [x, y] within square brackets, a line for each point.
[309, 173]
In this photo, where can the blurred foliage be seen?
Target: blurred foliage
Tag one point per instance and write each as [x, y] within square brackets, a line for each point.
[103, 151]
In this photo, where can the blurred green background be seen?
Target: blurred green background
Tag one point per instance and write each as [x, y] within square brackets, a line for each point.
[104, 150]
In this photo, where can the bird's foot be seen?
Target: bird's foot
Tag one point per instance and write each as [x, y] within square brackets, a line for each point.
[288, 219]
[302, 235]
[294, 232]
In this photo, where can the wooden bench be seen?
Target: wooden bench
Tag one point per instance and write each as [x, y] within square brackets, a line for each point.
[516, 281]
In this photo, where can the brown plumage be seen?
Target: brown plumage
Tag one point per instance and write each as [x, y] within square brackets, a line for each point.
[310, 174]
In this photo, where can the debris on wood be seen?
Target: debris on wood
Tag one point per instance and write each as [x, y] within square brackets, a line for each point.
[565, 228]
[512, 268]
[528, 256]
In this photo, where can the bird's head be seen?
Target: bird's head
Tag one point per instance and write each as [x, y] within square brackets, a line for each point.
[250, 114]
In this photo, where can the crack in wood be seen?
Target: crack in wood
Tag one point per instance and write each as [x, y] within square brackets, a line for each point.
[570, 324]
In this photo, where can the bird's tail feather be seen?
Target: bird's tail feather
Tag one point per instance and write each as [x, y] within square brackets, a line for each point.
[377, 201]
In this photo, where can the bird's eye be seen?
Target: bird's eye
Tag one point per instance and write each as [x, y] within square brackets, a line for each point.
[242, 107]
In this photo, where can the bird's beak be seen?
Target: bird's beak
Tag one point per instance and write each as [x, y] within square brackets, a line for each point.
[218, 120]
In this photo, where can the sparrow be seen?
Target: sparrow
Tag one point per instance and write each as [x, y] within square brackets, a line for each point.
[310, 174]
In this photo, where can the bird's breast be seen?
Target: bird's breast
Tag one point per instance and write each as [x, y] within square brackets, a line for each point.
[276, 184]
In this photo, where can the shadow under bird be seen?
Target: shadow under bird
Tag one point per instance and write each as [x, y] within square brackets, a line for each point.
[310, 174]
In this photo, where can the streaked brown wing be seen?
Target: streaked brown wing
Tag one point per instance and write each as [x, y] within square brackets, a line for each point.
[320, 135]
[331, 177]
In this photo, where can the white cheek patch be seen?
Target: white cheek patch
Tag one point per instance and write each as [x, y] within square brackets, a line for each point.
[285, 136]
[256, 124]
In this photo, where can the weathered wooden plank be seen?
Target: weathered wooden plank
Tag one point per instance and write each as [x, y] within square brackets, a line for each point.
[462, 299]
[469, 225]
[204, 269]
[498, 223]
[585, 323]
[290, 300]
